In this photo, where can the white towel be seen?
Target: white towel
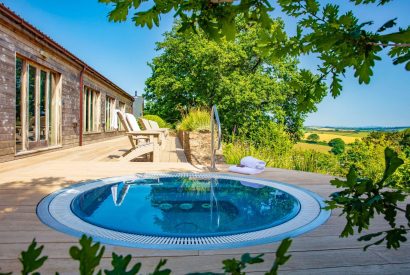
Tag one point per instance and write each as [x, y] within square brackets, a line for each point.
[254, 163]
[244, 170]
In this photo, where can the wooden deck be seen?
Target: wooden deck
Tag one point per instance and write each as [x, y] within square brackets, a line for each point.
[24, 182]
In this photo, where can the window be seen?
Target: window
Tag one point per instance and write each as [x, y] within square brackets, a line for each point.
[109, 113]
[91, 110]
[38, 106]
[121, 106]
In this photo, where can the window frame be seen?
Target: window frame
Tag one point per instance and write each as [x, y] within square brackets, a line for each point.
[52, 136]
[91, 110]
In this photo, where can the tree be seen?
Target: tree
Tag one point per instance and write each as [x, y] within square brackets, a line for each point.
[340, 41]
[250, 91]
[313, 138]
[338, 146]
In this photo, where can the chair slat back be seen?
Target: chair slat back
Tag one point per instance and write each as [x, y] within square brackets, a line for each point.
[132, 122]
[127, 128]
[145, 123]
[154, 125]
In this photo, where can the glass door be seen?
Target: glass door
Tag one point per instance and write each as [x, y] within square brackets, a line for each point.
[37, 107]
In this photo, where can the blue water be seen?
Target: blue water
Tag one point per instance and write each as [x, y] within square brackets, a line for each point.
[183, 207]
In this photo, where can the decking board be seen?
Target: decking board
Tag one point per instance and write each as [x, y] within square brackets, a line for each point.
[24, 182]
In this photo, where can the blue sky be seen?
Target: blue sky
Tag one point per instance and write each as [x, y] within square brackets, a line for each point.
[121, 53]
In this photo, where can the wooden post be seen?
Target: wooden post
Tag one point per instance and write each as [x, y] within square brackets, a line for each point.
[23, 106]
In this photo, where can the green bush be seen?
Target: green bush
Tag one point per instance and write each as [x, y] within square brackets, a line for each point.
[196, 120]
[313, 138]
[338, 146]
[162, 123]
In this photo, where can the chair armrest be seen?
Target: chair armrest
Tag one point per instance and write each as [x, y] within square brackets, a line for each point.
[144, 132]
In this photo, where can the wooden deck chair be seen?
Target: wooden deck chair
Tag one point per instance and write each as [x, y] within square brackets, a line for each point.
[147, 126]
[142, 142]
[155, 127]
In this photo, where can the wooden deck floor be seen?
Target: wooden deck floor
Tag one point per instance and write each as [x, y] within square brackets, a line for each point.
[24, 182]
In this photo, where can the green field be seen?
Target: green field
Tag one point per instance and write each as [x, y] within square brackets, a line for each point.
[312, 146]
[346, 136]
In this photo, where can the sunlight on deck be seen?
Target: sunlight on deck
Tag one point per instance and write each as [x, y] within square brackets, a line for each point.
[23, 183]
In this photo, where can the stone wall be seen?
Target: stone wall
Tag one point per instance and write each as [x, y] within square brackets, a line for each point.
[197, 147]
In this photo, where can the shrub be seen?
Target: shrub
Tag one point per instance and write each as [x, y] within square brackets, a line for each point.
[313, 138]
[273, 136]
[338, 146]
[196, 120]
[162, 123]
[368, 158]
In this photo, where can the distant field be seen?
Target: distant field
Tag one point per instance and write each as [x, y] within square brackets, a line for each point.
[311, 146]
[346, 136]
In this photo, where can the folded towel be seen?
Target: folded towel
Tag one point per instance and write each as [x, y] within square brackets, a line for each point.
[244, 170]
[252, 162]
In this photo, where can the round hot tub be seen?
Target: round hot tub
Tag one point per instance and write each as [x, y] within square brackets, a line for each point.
[183, 211]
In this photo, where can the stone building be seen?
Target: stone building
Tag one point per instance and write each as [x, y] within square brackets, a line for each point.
[49, 98]
[138, 107]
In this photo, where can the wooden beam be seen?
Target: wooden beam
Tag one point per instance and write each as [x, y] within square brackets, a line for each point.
[23, 107]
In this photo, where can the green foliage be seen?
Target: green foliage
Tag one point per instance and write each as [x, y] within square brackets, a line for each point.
[313, 138]
[31, 259]
[158, 269]
[368, 155]
[339, 40]
[281, 257]
[338, 146]
[93, 253]
[196, 120]
[120, 265]
[161, 123]
[361, 198]
[89, 255]
[216, 20]
[279, 153]
[271, 136]
[250, 91]
[236, 267]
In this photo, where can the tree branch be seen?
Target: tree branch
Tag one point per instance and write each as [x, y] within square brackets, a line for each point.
[399, 45]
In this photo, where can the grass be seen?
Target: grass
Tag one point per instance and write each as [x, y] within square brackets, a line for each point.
[312, 146]
[295, 159]
[196, 120]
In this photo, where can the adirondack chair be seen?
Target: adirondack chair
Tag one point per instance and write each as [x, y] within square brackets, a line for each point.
[148, 126]
[142, 142]
[155, 127]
